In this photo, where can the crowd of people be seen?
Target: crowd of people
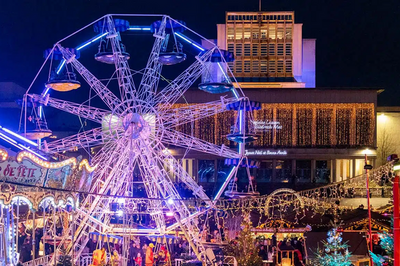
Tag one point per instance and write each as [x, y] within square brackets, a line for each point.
[273, 251]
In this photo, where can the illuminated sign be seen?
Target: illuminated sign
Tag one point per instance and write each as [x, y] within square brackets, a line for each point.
[267, 125]
[25, 172]
[266, 152]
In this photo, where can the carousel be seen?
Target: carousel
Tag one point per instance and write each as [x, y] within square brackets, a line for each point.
[38, 201]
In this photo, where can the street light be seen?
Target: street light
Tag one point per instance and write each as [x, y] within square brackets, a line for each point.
[396, 218]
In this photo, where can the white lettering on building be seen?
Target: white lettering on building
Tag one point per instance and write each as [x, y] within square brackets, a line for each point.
[267, 125]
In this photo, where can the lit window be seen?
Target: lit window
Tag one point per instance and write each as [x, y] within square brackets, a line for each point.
[247, 33]
[263, 66]
[231, 47]
[280, 33]
[272, 32]
[255, 33]
[288, 32]
[272, 66]
[264, 33]
[239, 33]
[231, 33]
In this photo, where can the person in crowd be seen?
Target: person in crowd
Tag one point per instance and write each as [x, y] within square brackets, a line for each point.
[262, 253]
[139, 260]
[26, 249]
[149, 261]
[133, 251]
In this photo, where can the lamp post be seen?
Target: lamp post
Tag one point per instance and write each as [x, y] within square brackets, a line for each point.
[396, 218]
[368, 167]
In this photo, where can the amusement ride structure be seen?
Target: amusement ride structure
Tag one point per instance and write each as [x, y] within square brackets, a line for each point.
[137, 119]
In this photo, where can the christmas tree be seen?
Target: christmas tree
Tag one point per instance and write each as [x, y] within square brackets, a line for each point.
[244, 248]
[386, 257]
[335, 252]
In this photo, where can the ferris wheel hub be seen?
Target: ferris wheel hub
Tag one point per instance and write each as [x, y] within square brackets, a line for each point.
[135, 126]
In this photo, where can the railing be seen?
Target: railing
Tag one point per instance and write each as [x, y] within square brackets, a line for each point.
[39, 261]
[227, 261]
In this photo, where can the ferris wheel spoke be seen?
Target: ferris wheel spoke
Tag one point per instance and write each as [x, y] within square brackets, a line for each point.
[171, 93]
[151, 75]
[123, 71]
[182, 115]
[86, 139]
[178, 171]
[81, 110]
[182, 140]
[101, 90]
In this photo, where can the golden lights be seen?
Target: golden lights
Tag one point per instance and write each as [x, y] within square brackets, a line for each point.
[54, 165]
[3, 154]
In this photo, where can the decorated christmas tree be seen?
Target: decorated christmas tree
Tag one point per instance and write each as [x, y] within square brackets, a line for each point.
[335, 252]
[244, 248]
[385, 258]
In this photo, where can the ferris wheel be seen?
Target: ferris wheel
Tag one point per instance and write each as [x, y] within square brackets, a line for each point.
[138, 120]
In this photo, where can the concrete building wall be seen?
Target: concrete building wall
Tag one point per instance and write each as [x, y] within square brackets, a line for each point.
[308, 74]
[297, 51]
[388, 128]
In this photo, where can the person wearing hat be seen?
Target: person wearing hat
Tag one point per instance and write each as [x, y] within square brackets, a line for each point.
[149, 261]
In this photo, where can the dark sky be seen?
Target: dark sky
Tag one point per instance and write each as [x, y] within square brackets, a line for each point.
[358, 42]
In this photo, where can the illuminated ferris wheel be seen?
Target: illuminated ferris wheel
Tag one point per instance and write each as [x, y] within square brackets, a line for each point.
[137, 121]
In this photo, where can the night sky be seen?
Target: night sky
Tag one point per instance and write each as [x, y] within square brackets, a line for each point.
[357, 41]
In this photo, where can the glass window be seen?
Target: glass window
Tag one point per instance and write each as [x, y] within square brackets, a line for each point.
[247, 50]
[230, 33]
[280, 66]
[272, 32]
[256, 68]
[280, 49]
[247, 33]
[283, 170]
[239, 33]
[231, 47]
[288, 49]
[255, 49]
[271, 49]
[264, 33]
[288, 32]
[263, 66]
[288, 66]
[247, 66]
[255, 33]
[280, 33]
[264, 49]
[239, 48]
[238, 66]
[272, 66]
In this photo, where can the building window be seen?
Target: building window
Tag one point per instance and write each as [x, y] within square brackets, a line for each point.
[239, 33]
[263, 66]
[256, 68]
[272, 32]
[288, 32]
[280, 66]
[264, 33]
[238, 66]
[255, 33]
[247, 33]
[288, 66]
[231, 33]
[247, 50]
[247, 66]
[280, 33]
[280, 49]
[255, 49]
[288, 49]
[272, 67]
[231, 48]
[272, 49]
[264, 49]
[239, 49]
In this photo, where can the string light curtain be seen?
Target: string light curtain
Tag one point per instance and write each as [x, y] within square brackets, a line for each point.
[296, 125]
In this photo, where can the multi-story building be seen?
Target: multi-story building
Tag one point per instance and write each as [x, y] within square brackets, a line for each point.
[269, 50]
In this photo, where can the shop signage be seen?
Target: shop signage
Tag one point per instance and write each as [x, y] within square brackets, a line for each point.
[25, 172]
[267, 125]
[266, 152]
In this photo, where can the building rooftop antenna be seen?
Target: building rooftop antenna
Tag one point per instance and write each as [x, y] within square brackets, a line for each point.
[259, 5]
